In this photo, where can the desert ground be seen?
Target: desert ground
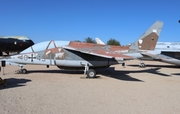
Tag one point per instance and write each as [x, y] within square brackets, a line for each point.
[117, 90]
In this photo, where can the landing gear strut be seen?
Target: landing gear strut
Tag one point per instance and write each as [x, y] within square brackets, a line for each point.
[91, 73]
[142, 64]
[21, 70]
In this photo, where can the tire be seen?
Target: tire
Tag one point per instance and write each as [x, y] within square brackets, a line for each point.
[24, 71]
[142, 65]
[91, 73]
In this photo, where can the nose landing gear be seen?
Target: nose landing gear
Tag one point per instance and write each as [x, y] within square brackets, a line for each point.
[21, 70]
[142, 64]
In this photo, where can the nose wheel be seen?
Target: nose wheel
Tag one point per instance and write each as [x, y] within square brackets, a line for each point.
[142, 64]
[21, 70]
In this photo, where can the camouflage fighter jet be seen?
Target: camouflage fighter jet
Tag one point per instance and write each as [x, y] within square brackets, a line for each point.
[83, 56]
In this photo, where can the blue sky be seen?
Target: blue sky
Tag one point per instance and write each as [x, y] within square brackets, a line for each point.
[124, 20]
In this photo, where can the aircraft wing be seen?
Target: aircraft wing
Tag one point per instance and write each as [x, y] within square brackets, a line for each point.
[101, 51]
[160, 57]
[170, 50]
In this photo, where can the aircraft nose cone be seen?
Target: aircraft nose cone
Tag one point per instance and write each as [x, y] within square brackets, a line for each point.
[30, 42]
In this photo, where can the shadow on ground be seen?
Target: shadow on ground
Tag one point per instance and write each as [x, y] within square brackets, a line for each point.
[13, 82]
[108, 72]
[123, 75]
[161, 66]
[178, 74]
[56, 71]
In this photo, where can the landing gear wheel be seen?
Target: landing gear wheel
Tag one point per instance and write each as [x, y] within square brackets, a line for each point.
[24, 71]
[142, 65]
[91, 73]
[21, 71]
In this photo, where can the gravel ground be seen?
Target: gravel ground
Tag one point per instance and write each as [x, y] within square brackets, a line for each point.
[130, 90]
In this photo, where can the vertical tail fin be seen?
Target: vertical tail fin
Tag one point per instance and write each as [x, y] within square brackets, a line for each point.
[98, 41]
[148, 40]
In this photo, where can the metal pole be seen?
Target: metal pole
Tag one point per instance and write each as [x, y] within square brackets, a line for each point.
[2, 70]
[3, 64]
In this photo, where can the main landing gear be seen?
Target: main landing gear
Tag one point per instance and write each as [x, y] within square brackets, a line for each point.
[91, 73]
[21, 70]
[142, 64]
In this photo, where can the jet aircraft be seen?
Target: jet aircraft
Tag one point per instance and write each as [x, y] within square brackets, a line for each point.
[70, 55]
[14, 44]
